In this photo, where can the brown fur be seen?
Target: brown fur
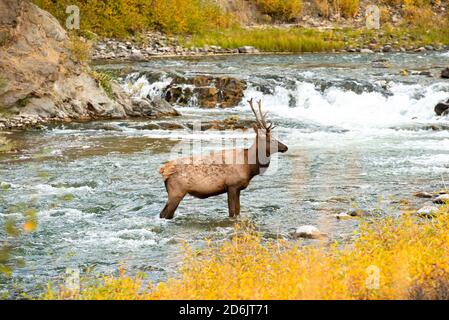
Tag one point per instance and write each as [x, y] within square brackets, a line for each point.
[226, 171]
[168, 170]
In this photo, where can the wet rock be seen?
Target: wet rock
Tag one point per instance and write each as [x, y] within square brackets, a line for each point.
[423, 194]
[170, 126]
[343, 216]
[445, 73]
[248, 50]
[442, 199]
[427, 211]
[230, 123]
[201, 126]
[154, 109]
[136, 55]
[207, 97]
[442, 108]
[423, 73]
[308, 232]
[387, 48]
[380, 63]
[163, 108]
[354, 213]
[206, 91]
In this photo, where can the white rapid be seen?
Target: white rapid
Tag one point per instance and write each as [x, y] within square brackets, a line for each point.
[358, 136]
[405, 104]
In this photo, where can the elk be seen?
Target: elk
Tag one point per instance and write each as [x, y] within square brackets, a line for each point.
[225, 171]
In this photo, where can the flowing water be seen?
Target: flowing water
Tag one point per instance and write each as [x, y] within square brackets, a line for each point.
[359, 136]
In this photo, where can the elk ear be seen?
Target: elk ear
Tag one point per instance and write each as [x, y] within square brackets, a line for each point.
[256, 128]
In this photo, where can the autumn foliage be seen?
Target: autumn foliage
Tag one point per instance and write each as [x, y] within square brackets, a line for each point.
[391, 258]
[123, 17]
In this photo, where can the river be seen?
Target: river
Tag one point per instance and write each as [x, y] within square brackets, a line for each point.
[359, 136]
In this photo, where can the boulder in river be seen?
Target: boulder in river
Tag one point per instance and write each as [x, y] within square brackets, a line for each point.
[308, 232]
[427, 211]
[423, 194]
[445, 73]
[355, 213]
[206, 91]
[442, 199]
[442, 108]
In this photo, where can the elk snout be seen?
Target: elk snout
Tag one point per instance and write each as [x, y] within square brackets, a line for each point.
[282, 147]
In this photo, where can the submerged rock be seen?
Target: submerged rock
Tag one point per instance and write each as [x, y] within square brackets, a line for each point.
[230, 123]
[308, 232]
[423, 194]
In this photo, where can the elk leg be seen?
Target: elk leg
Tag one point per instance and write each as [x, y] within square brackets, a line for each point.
[172, 204]
[234, 202]
[237, 204]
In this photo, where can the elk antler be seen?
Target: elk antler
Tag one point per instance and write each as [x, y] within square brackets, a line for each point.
[261, 117]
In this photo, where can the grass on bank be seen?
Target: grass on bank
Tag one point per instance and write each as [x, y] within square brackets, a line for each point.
[269, 39]
[391, 258]
[274, 39]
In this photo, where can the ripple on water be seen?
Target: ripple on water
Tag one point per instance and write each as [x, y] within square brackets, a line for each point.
[99, 196]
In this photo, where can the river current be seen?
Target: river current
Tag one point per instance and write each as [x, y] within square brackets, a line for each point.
[359, 136]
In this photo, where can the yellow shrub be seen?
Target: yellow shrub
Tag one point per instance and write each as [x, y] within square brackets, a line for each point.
[347, 8]
[392, 258]
[385, 15]
[419, 15]
[80, 48]
[323, 7]
[285, 10]
[120, 18]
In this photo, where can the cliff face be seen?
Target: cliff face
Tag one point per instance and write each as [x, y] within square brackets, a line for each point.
[39, 81]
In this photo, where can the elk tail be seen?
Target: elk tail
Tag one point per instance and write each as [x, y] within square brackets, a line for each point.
[168, 170]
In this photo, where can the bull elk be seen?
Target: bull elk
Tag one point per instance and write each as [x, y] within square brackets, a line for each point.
[225, 171]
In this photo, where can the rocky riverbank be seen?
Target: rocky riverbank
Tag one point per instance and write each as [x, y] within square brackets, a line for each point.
[156, 44]
[42, 81]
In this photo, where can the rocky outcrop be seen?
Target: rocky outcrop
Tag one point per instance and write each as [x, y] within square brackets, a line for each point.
[41, 82]
[206, 91]
[442, 108]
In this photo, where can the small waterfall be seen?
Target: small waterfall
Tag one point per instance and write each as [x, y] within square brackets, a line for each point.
[344, 103]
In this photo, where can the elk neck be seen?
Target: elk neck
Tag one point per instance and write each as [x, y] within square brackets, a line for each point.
[253, 155]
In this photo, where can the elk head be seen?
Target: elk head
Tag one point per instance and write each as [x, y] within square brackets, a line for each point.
[266, 144]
